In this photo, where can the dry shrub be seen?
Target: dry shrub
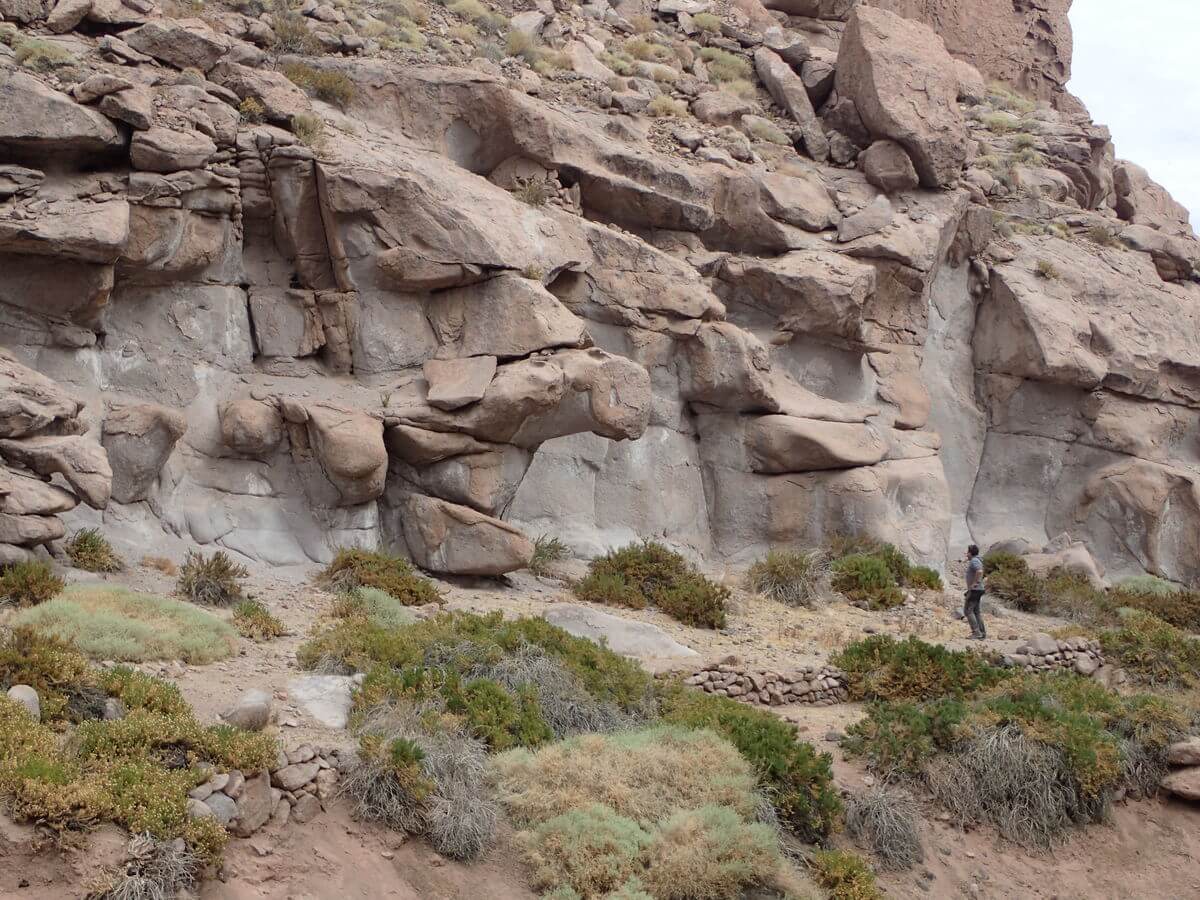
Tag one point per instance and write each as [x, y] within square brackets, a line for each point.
[1154, 652]
[663, 106]
[645, 775]
[767, 131]
[329, 85]
[161, 564]
[845, 875]
[884, 820]
[90, 551]
[590, 851]
[252, 112]
[797, 578]
[707, 22]
[565, 704]
[709, 854]
[153, 870]
[114, 623]
[255, 621]
[309, 130]
[211, 580]
[1023, 788]
[725, 66]
[378, 607]
[42, 55]
[28, 584]
[534, 190]
[448, 801]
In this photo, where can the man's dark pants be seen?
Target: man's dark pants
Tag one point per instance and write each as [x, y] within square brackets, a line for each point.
[971, 611]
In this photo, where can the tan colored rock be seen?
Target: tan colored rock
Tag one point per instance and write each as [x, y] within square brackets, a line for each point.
[902, 81]
[165, 150]
[280, 97]
[91, 232]
[888, 166]
[408, 270]
[505, 316]
[133, 106]
[1184, 753]
[80, 460]
[67, 14]
[446, 537]
[21, 495]
[788, 90]
[349, 446]
[726, 367]
[36, 120]
[804, 201]
[786, 444]
[138, 438]
[454, 383]
[252, 427]
[31, 403]
[721, 108]
[1184, 784]
[182, 43]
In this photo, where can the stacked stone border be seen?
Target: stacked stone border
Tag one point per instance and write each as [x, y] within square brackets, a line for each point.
[816, 685]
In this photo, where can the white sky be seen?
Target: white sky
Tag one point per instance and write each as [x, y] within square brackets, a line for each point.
[1137, 68]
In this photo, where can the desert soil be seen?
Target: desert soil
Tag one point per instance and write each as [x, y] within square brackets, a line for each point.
[1146, 852]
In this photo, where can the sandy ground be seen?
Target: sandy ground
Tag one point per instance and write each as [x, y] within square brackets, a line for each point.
[1150, 850]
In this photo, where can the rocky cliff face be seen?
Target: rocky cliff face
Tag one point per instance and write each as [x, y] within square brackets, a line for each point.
[796, 274]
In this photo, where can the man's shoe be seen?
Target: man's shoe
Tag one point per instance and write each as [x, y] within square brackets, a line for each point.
[976, 637]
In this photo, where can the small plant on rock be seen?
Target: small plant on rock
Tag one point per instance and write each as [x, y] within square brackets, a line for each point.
[329, 85]
[663, 106]
[211, 580]
[547, 549]
[796, 578]
[255, 621]
[28, 584]
[42, 56]
[533, 190]
[707, 22]
[767, 131]
[90, 551]
[309, 130]
[1046, 269]
[252, 111]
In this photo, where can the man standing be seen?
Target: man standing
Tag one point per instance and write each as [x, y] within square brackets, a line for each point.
[974, 594]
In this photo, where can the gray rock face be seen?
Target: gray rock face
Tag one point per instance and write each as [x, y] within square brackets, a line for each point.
[254, 806]
[293, 777]
[138, 439]
[324, 697]
[624, 636]
[36, 120]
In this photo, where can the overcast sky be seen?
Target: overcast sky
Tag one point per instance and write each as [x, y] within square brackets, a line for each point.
[1137, 67]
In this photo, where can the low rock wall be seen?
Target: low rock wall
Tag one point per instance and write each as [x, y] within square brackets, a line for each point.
[818, 685]
[1043, 653]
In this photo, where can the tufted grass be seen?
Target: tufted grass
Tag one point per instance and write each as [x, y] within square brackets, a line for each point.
[114, 623]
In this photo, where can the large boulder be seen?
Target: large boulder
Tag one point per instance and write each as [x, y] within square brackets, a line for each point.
[888, 166]
[726, 367]
[457, 540]
[90, 232]
[348, 443]
[165, 150]
[251, 427]
[280, 98]
[38, 122]
[182, 43]
[138, 439]
[788, 90]
[80, 460]
[903, 83]
[31, 403]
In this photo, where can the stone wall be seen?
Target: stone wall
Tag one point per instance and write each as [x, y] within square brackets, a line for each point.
[1044, 653]
[818, 685]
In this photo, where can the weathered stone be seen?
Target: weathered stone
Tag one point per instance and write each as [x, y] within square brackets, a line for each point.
[446, 537]
[36, 120]
[138, 439]
[223, 808]
[1184, 753]
[888, 166]
[454, 383]
[624, 636]
[307, 808]
[251, 711]
[254, 806]
[324, 697]
[164, 150]
[1184, 784]
[787, 89]
[294, 777]
[182, 43]
[28, 698]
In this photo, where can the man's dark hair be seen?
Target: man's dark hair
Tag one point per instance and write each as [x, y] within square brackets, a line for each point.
[973, 550]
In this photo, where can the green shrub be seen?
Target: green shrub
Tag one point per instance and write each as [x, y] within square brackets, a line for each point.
[53, 668]
[695, 600]
[500, 719]
[707, 22]
[1147, 584]
[592, 851]
[1176, 606]
[113, 623]
[882, 668]
[901, 738]
[352, 568]
[639, 575]
[329, 85]
[547, 550]
[798, 779]
[725, 66]
[89, 551]
[866, 579]
[28, 584]
[845, 875]
[254, 621]
[1009, 578]
[138, 690]
[924, 577]
[376, 606]
[1153, 651]
[211, 580]
[791, 577]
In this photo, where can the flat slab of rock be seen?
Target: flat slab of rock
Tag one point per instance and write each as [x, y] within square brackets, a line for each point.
[291, 778]
[324, 697]
[1184, 753]
[1185, 783]
[624, 636]
[454, 383]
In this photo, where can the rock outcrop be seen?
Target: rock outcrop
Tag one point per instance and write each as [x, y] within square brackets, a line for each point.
[466, 302]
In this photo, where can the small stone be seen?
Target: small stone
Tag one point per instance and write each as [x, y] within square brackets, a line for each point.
[834, 737]
[237, 781]
[283, 812]
[200, 792]
[113, 709]
[224, 809]
[198, 809]
[307, 808]
[218, 782]
[251, 712]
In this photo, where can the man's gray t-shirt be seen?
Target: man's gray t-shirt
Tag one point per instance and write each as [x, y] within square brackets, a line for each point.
[975, 574]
